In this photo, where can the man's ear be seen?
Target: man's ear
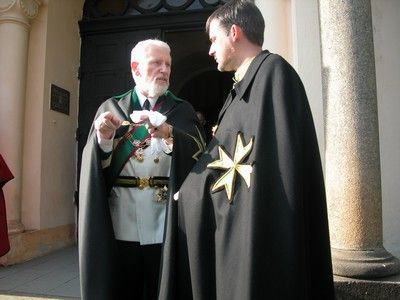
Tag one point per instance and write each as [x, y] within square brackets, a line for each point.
[235, 32]
[134, 67]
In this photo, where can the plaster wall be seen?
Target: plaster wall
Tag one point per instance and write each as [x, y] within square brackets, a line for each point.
[277, 26]
[307, 60]
[32, 157]
[54, 55]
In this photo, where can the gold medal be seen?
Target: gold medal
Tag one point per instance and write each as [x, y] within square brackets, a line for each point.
[139, 154]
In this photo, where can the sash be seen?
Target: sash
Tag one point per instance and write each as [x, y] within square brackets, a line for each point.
[136, 138]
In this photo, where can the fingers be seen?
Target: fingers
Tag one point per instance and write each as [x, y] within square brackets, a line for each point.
[116, 122]
[106, 124]
[143, 118]
[108, 120]
[109, 124]
[152, 130]
[161, 131]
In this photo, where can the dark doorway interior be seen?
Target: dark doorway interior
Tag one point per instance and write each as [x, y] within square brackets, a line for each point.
[195, 77]
[207, 91]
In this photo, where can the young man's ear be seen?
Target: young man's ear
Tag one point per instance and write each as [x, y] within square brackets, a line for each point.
[134, 67]
[235, 32]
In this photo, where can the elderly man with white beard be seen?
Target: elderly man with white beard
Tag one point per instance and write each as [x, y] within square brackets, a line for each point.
[140, 148]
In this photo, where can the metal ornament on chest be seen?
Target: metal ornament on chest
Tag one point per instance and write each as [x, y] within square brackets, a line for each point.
[139, 154]
[161, 194]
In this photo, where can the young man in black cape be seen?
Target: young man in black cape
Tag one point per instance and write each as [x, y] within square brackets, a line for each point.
[127, 171]
[251, 215]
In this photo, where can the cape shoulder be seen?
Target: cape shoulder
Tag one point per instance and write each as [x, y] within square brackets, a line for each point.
[119, 97]
[169, 94]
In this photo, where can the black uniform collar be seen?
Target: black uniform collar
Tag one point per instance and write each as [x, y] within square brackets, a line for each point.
[242, 86]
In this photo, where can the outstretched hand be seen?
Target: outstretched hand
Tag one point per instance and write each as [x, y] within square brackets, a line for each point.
[106, 125]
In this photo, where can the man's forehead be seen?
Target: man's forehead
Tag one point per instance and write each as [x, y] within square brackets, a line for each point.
[157, 51]
[215, 27]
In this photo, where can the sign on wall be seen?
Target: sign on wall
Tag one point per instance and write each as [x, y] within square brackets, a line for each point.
[59, 99]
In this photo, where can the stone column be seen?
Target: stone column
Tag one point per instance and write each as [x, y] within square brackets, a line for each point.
[353, 178]
[15, 16]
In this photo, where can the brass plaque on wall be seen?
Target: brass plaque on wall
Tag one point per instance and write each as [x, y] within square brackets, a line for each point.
[59, 99]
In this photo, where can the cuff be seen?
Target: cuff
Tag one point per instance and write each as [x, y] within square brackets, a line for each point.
[104, 144]
[167, 148]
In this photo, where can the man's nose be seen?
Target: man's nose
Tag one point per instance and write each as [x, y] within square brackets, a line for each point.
[165, 68]
[211, 51]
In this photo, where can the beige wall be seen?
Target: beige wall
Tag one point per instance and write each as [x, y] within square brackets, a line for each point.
[307, 60]
[49, 145]
[277, 26]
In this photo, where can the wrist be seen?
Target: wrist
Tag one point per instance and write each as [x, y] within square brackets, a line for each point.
[169, 139]
[108, 136]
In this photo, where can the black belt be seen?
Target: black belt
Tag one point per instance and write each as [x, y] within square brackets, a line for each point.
[141, 182]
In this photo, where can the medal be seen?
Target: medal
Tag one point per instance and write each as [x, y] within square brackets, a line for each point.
[161, 194]
[139, 154]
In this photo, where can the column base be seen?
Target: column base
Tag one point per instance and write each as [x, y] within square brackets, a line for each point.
[364, 264]
[367, 289]
[15, 227]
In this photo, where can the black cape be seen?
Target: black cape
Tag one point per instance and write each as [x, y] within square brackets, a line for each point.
[96, 236]
[271, 241]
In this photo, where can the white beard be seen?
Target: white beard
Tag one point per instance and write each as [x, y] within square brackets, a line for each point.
[153, 89]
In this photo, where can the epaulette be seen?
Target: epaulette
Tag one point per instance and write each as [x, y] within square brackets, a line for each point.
[122, 95]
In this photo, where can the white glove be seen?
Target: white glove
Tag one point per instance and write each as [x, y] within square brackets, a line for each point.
[155, 119]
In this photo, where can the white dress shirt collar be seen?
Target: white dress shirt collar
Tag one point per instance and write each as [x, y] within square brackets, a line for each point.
[143, 98]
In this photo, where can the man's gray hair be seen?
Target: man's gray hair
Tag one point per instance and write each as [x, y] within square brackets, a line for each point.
[140, 49]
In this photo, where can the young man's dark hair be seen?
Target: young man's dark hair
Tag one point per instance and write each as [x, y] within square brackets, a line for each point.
[243, 13]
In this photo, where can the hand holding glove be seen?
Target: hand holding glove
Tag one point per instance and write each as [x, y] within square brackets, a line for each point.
[157, 127]
[156, 124]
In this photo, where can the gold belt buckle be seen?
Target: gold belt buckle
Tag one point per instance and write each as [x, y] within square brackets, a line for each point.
[143, 182]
